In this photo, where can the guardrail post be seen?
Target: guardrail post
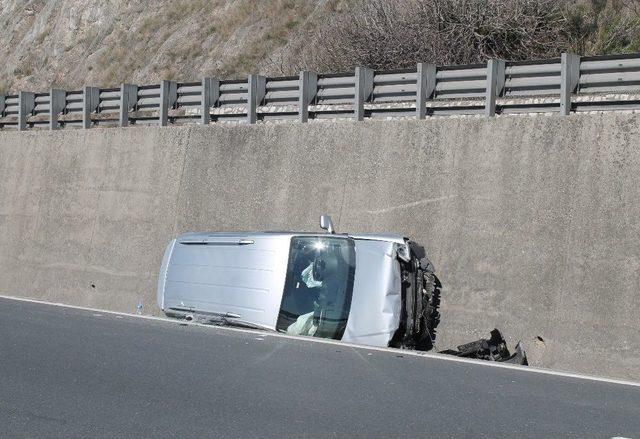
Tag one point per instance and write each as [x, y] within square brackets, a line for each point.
[57, 102]
[307, 92]
[495, 85]
[168, 97]
[425, 86]
[569, 77]
[209, 98]
[26, 104]
[256, 92]
[363, 90]
[2, 108]
[90, 101]
[128, 100]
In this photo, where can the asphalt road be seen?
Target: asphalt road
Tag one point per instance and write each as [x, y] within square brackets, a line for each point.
[68, 373]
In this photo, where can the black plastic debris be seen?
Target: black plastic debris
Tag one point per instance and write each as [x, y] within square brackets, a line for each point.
[491, 349]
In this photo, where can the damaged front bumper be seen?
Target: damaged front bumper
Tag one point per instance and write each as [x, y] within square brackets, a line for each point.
[491, 349]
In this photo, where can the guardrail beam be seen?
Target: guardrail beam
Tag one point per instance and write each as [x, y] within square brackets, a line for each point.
[90, 101]
[168, 98]
[256, 91]
[26, 104]
[57, 102]
[569, 77]
[307, 92]
[425, 86]
[495, 85]
[526, 81]
[209, 98]
[128, 100]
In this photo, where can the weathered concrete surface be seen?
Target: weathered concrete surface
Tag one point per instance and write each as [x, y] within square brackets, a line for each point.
[533, 223]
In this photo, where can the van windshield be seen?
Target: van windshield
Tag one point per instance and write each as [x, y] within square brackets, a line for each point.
[318, 287]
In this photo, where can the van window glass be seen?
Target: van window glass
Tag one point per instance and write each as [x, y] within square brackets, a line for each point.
[318, 287]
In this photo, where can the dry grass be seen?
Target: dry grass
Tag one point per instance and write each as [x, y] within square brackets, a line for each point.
[384, 34]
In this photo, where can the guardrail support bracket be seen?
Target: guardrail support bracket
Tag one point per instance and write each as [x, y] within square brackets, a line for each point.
[256, 92]
[495, 85]
[209, 98]
[308, 88]
[363, 90]
[26, 104]
[90, 101]
[425, 86]
[57, 102]
[128, 100]
[569, 77]
[168, 97]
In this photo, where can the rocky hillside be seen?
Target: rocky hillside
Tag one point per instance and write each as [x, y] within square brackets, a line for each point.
[69, 43]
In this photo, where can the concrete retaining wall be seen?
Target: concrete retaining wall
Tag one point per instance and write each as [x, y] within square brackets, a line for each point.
[533, 223]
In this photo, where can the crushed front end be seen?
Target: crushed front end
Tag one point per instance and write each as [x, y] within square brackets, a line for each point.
[420, 300]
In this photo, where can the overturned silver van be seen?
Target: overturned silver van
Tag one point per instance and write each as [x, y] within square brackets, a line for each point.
[377, 289]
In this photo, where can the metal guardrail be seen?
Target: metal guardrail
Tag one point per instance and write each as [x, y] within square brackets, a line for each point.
[562, 85]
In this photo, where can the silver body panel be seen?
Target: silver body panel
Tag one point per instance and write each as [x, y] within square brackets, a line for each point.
[227, 278]
[243, 274]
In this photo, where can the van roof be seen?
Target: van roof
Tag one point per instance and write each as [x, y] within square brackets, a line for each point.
[195, 236]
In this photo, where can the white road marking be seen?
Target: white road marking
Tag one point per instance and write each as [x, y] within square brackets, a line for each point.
[442, 357]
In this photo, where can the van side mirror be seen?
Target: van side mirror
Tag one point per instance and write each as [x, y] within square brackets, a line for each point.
[326, 224]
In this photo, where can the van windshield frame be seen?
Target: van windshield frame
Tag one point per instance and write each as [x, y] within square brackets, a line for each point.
[318, 289]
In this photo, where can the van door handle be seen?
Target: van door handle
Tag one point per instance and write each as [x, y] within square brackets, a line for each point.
[245, 242]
